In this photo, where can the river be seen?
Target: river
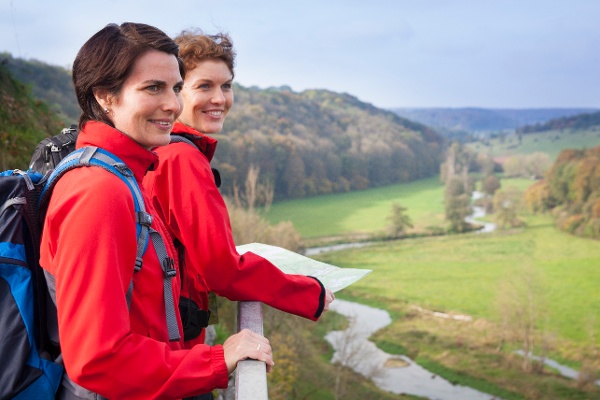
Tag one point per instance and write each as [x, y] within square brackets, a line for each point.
[396, 374]
[393, 373]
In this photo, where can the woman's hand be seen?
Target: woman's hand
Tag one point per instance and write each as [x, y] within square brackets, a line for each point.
[329, 297]
[247, 344]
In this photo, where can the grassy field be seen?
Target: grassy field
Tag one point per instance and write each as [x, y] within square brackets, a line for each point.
[554, 273]
[550, 142]
[481, 275]
[446, 272]
[467, 274]
[366, 212]
[361, 212]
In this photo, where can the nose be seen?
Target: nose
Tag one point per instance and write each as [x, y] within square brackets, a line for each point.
[174, 103]
[218, 97]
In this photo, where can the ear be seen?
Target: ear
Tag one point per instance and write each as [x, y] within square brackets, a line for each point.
[104, 98]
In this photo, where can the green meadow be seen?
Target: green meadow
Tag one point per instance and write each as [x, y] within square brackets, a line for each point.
[366, 212]
[460, 273]
[362, 212]
[549, 142]
[469, 274]
[552, 274]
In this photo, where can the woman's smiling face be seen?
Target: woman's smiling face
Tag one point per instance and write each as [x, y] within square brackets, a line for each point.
[207, 96]
[150, 101]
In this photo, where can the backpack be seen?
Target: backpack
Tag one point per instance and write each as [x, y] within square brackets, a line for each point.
[29, 369]
[50, 151]
[30, 354]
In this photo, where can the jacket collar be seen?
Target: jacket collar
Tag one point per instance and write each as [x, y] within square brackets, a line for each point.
[206, 144]
[137, 158]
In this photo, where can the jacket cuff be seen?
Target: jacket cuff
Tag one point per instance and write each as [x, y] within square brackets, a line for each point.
[220, 367]
[321, 298]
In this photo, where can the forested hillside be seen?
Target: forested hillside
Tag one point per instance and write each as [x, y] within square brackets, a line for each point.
[51, 84]
[459, 122]
[24, 121]
[577, 122]
[318, 142]
[308, 143]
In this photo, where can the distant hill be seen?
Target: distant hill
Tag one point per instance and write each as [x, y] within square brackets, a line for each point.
[309, 143]
[465, 121]
[49, 83]
[319, 142]
[24, 121]
[577, 122]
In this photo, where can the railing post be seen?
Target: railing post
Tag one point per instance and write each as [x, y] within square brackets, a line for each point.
[251, 375]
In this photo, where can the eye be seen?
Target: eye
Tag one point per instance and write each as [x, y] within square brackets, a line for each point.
[227, 86]
[204, 86]
[153, 88]
[178, 88]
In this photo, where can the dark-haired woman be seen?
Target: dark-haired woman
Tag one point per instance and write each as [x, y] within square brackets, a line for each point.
[128, 80]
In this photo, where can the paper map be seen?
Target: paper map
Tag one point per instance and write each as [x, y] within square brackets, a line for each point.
[334, 278]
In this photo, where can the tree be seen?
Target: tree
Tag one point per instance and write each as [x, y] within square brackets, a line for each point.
[486, 164]
[294, 175]
[400, 221]
[522, 307]
[454, 173]
[537, 164]
[506, 206]
[490, 184]
[248, 226]
[538, 199]
[457, 204]
[255, 193]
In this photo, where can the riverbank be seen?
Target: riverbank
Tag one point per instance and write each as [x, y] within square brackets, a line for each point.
[393, 373]
[485, 276]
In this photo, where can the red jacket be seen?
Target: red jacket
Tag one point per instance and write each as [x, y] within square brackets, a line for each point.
[184, 194]
[89, 245]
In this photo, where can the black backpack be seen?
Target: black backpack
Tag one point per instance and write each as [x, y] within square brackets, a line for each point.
[50, 151]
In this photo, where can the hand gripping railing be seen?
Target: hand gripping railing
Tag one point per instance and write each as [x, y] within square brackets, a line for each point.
[251, 375]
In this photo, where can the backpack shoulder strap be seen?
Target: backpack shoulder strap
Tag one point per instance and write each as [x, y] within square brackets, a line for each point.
[181, 138]
[94, 156]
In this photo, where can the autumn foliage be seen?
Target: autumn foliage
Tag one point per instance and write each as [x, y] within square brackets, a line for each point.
[571, 191]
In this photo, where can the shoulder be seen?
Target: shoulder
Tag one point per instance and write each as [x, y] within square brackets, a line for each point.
[93, 187]
[181, 155]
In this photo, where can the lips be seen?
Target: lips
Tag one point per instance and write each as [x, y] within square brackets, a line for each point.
[165, 124]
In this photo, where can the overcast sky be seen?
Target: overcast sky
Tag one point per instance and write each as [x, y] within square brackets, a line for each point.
[394, 53]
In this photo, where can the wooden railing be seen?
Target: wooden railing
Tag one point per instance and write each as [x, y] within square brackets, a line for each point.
[251, 375]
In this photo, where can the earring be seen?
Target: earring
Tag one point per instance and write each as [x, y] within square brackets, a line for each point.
[106, 111]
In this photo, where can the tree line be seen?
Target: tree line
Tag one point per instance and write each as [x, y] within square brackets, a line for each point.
[319, 142]
[303, 144]
[571, 192]
[580, 121]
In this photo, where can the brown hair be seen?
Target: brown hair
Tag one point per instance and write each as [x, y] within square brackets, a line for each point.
[106, 60]
[195, 47]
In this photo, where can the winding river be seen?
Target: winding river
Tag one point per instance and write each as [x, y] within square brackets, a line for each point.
[396, 374]
[393, 373]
